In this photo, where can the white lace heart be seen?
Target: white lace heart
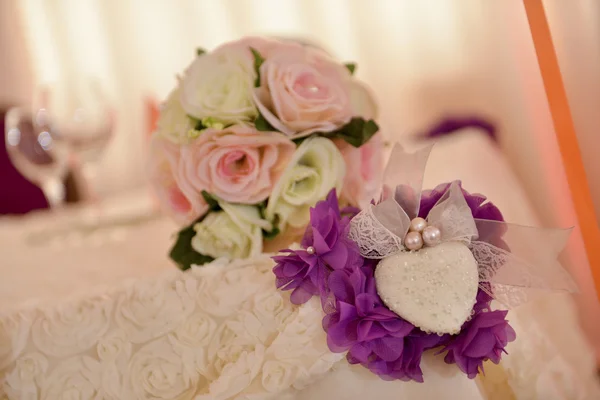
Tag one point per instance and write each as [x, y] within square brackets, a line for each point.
[434, 288]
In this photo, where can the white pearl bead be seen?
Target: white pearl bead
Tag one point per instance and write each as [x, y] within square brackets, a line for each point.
[413, 241]
[432, 236]
[310, 250]
[417, 225]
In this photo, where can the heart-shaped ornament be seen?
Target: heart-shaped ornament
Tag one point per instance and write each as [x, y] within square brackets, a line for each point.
[434, 288]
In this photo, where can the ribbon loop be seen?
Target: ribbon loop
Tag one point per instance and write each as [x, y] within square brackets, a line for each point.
[453, 217]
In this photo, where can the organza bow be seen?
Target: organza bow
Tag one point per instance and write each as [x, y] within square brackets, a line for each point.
[513, 260]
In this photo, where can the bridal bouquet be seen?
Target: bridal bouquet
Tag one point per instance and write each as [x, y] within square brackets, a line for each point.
[255, 133]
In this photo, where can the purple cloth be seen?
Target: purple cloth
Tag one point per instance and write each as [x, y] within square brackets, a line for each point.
[17, 194]
[450, 125]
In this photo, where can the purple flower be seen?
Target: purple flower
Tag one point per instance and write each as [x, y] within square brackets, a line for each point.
[300, 272]
[408, 366]
[327, 234]
[360, 315]
[373, 335]
[482, 338]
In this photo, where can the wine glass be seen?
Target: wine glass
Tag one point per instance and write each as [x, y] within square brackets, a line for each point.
[36, 154]
[83, 120]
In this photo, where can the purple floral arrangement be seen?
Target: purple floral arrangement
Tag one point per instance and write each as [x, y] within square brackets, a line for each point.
[357, 321]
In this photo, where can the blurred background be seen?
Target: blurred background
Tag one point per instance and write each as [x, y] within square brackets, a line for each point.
[426, 61]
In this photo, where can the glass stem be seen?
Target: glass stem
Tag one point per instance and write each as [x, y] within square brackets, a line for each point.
[54, 190]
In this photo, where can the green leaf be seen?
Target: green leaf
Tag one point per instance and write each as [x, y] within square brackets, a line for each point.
[357, 132]
[299, 141]
[258, 61]
[182, 251]
[198, 125]
[262, 124]
[200, 51]
[268, 235]
[271, 235]
[351, 67]
[262, 207]
[213, 204]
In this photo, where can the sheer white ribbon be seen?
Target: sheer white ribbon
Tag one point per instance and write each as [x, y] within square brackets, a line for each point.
[513, 259]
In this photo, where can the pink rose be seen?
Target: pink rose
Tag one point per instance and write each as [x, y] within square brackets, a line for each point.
[163, 162]
[303, 91]
[364, 169]
[237, 164]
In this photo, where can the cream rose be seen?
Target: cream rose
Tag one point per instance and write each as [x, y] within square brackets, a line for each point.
[261, 44]
[74, 378]
[362, 100]
[303, 91]
[14, 334]
[156, 371]
[72, 328]
[148, 309]
[271, 308]
[21, 382]
[278, 376]
[114, 347]
[219, 85]
[196, 331]
[316, 167]
[173, 123]
[237, 164]
[237, 375]
[233, 232]
[235, 278]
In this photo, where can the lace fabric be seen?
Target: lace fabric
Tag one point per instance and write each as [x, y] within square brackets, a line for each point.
[373, 238]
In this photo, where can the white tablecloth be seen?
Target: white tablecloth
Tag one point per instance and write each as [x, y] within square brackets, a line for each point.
[549, 344]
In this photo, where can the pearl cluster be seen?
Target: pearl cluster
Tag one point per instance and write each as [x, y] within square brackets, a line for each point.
[420, 234]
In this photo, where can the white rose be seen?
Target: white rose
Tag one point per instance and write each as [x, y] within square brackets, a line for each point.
[234, 232]
[272, 308]
[74, 378]
[239, 279]
[362, 100]
[150, 309]
[302, 335]
[278, 376]
[232, 339]
[236, 376]
[73, 328]
[14, 335]
[21, 382]
[219, 85]
[156, 371]
[173, 122]
[196, 330]
[114, 347]
[316, 167]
